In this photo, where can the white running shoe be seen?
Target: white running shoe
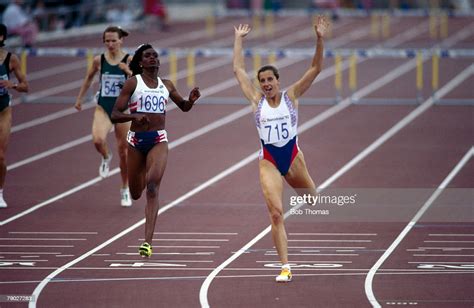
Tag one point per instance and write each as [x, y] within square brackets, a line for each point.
[105, 166]
[126, 200]
[3, 204]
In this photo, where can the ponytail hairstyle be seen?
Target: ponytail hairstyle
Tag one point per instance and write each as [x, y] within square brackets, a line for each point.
[121, 32]
[3, 32]
[137, 57]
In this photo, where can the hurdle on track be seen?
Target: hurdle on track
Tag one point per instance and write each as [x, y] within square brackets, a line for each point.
[352, 56]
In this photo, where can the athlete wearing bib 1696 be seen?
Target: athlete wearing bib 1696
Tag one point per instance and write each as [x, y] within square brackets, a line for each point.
[277, 128]
[112, 79]
[148, 100]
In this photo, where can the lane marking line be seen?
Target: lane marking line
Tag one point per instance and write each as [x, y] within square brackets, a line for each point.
[370, 276]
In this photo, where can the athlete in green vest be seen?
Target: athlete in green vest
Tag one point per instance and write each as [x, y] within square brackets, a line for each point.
[113, 68]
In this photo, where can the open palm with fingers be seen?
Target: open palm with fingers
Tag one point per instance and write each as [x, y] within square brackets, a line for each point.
[321, 26]
[242, 30]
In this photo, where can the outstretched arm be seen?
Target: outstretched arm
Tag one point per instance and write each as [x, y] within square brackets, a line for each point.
[22, 85]
[299, 87]
[239, 65]
[183, 104]
[95, 67]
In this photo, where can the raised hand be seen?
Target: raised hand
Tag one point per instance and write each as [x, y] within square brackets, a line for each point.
[194, 95]
[242, 30]
[321, 26]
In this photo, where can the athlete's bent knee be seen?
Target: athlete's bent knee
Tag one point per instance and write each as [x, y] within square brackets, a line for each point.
[152, 190]
[276, 217]
[98, 141]
[135, 195]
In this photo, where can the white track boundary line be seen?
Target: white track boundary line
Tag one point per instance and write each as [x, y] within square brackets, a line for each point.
[387, 135]
[370, 276]
[49, 152]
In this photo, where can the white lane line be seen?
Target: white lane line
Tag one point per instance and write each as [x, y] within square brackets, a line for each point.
[74, 280]
[48, 232]
[50, 152]
[187, 240]
[370, 275]
[329, 241]
[336, 234]
[324, 247]
[50, 117]
[27, 252]
[202, 253]
[440, 255]
[448, 241]
[197, 233]
[316, 254]
[56, 198]
[453, 248]
[449, 234]
[37, 246]
[305, 261]
[40, 239]
[404, 122]
[197, 246]
[382, 139]
[440, 262]
[167, 261]
[22, 260]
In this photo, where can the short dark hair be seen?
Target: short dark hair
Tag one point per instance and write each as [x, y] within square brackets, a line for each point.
[268, 68]
[121, 32]
[137, 57]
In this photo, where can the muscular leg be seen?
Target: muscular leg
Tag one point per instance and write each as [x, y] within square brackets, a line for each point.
[101, 126]
[121, 130]
[272, 187]
[298, 176]
[136, 167]
[5, 127]
[155, 168]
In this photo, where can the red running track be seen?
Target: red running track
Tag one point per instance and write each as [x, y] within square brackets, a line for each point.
[79, 249]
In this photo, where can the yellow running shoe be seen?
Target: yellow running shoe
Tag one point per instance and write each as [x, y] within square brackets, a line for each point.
[145, 250]
[285, 275]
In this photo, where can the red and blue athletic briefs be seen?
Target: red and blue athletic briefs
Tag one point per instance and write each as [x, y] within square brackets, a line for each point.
[277, 128]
